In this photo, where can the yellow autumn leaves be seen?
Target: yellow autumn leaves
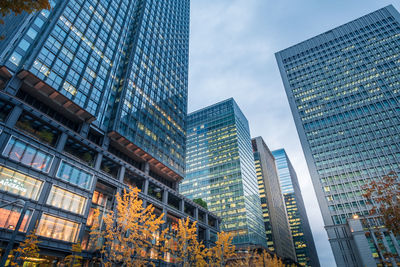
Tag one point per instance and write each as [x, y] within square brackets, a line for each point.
[133, 235]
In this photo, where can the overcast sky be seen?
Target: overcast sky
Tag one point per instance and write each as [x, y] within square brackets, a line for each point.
[232, 46]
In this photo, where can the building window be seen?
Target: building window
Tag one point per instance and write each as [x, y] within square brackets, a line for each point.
[9, 216]
[15, 58]
[28, 155]
[66, 200]
[74, 175]
[57, 228]
[19, 184]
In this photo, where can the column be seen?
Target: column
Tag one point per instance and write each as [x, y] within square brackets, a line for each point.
[121, 174]
[146, 187]
[14, 115]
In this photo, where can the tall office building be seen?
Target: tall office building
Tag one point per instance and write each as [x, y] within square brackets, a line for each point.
[220, 170]
[93, 98]
[343, 88]
[279, 237]
[303, 240]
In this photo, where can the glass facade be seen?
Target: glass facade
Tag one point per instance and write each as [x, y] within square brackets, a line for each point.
[66, 200]
[9, 216]
[19, 184]
[220, 170]
[343, 87]
[302, 236]
[24, 153]
[75, 175]
[277, 230]
[93, 97]
[57, 228]
[124, 62]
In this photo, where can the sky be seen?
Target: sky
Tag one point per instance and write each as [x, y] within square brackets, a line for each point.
[232, 46]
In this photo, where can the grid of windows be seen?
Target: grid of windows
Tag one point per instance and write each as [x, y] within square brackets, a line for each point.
[344, 90]
[220, 170]
[302, 237]
[154, 101]
[75, 59]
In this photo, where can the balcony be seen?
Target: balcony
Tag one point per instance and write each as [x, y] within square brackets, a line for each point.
[80, 151]
[38, 129]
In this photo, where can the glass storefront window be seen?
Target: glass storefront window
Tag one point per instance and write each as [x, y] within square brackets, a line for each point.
[66, 200]
[57, 228]
[20, 184]
[24, 153]
[74, 175]
[9, 216]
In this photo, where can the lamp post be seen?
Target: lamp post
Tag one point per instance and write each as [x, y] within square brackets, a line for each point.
[16, 229]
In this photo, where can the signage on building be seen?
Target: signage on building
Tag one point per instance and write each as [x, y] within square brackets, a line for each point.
[12, 183]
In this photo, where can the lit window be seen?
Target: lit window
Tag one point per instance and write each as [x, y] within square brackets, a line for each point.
[26, 154]
[17, 183]
[9, 216]
[66, 200]
[74, 175]
[57, 228]
[15, 58]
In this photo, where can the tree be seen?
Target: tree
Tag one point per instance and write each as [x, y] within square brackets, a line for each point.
[75, 259]
[201, 202]
[28, 248]
[187, 250]
[18, 6]
[384, 196]
[128, 231]
[257, 259]
[223, 251]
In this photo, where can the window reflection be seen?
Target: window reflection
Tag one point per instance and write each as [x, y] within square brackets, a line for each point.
[74, 175]
[20, 184]
[9, 216]
[57, 228]
[66, 200]
[26, 154]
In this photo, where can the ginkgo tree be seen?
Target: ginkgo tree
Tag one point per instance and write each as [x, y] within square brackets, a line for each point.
[223, 251]
[128, 232]
[26, 249]
[184, 246]
[75, 259]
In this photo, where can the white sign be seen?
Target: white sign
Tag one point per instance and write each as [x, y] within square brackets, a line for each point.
[13, 184]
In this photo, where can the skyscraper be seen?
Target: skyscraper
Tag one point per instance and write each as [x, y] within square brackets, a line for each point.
[279, 237]
[94, 98]
[304, 246]
[220, 170]
[343, 88]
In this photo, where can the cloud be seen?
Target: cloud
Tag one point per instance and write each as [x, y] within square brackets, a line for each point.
[232, 46]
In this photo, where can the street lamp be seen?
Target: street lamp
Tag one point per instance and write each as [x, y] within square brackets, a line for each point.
[16, 229]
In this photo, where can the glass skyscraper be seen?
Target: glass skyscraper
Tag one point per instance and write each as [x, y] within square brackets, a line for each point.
[277, 230]
[343, 88]
[93, 97]
[304, 246]
[220, 170]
